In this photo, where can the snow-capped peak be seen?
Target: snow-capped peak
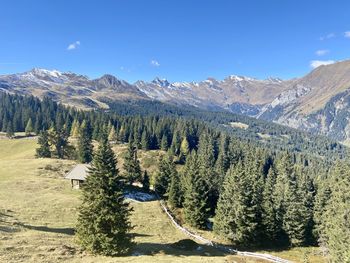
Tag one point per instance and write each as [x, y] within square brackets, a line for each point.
[39, 74]
[44, 72]
[161, 82]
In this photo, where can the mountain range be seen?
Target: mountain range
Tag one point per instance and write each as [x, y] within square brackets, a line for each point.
[318, 102]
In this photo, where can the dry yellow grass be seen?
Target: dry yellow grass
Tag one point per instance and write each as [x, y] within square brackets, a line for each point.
[38, 213]
[240, 125]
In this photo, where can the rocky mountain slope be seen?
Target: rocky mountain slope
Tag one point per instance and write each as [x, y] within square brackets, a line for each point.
[318, 102]
[70, 88]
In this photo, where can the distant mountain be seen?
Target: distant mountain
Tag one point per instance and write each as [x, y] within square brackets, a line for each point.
[318, 102]
[70, 88]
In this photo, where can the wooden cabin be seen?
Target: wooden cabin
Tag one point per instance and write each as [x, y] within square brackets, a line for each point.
[77, 175]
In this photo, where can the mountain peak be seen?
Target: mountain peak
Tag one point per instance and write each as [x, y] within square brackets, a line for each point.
[161, 82]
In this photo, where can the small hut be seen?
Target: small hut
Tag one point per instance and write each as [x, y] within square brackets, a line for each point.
[78, 175]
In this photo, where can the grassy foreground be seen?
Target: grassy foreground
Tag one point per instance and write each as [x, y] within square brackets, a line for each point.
[38, 213]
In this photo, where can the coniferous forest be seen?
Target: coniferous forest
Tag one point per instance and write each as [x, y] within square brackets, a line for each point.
[250, 193]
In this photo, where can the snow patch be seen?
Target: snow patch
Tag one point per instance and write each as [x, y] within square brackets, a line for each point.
[140, 196]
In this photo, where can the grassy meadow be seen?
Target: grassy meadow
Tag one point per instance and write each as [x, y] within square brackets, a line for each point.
[38, 211]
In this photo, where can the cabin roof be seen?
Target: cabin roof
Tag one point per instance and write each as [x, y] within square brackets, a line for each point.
[79, 172]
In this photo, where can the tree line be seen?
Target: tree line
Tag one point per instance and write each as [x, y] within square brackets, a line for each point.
[247, 193]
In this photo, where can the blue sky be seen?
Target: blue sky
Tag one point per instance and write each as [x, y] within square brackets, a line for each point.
[180, 40]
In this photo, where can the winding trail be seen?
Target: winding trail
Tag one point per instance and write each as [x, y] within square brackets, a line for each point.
[267, 257]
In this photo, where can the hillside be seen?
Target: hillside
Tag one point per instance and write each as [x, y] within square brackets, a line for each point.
[40, 227]
[317, 102]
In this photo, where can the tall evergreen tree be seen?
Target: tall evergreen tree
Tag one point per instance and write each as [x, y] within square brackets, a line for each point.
[174, 191]
[43, 151]
[236, 217]
[290, 207]
[132, 165]
[85, 148]
[164, 145]
[59, 141]
[166, 169]
[103, 222]
[195, 194]
[335, 231]
[145, 140]
[269, 220]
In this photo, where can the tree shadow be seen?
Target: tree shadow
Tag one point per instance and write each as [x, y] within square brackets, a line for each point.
[67, 231]
[178, 249]
[6, 225]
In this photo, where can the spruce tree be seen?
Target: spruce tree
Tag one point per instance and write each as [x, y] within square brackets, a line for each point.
[85, 148]
[336, 218]
[132, 165]
[29, 128]
[166, 168]
[43, 151]
[164, 145]
[269, 219]
[145, 140]
[174, 191]
[195, 194]
[103, 222]
[291, 212]
[58, 139]
[236, 217]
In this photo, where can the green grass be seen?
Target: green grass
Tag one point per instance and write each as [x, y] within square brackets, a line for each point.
[38, 211]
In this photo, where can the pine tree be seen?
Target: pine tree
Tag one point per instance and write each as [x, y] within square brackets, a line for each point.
[336, 218]
[166, 168]
[132, 165]
[85, 148]
[44, 147]
[236, 215]
[145, 140]
[58, 139]
[103, 222]
[145, 182]
[322, 200]
[175, 143]
[269, 217]
[291, 212]
[164, 145]
[29, 128]
[195, 200]
[174, 191]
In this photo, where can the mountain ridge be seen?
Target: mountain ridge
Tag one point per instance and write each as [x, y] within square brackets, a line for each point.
[317, 102]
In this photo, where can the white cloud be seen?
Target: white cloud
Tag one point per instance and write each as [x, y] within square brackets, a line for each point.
[73, 45]
[330, 35]
[317, 63]
[155, 63]
[347, 34]
[322, 52]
